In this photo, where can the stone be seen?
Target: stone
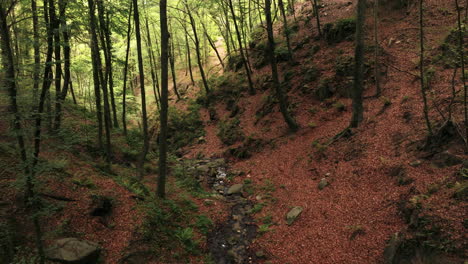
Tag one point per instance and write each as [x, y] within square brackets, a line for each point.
[74, 251]
[235, 189]
[293, 214]
[208, 202]
[415, 163]
[201, 140]
[260, 254]
[323, 183]
[446, 159]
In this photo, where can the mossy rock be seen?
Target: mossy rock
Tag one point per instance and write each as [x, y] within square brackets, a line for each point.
[342, 30]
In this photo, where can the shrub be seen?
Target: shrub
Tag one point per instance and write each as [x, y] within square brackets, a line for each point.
[342, 30]
[229, 131]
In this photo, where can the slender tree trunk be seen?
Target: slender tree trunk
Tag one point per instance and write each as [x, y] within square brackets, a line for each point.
[56, 21]
[66, 80]
[213, 45]
[144, 152]
[376, 49]
[244, 59]
[173, 71]
[317, 16]
[197, 49]
[152, 60]
[96, 69]
[37, 54]
[189, 60]
[161, 191]
[358, 86]
[274, 70]
[421, 68]
[461, 46]
[286, 29]
[124, 89]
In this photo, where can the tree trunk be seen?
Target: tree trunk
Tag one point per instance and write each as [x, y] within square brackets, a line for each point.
[286, 29]
[378, 90]
[37, 54]
[189, 59]
[96, 69]
[358, 85]
[421, 68]
[197, 50]
[173, 71]
[317, 16]
[144, 152]
[161, 191]
[124, 89]
[462, 60]
[152, 60]
[244, 59]
[274, 70]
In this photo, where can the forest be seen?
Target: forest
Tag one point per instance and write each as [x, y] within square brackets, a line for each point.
[233, 131]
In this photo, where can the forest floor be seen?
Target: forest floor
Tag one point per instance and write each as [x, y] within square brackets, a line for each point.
[371, 174]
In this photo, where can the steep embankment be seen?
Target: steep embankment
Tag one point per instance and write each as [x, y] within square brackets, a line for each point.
[371, 173]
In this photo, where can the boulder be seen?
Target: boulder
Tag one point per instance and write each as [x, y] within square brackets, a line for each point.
[323, 183]
[293, 214]
[74, 251]
[235, 189]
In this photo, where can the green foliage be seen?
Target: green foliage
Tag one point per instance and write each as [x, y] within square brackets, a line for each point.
[229, 131]
[339, 106]
[449, 55]
[344, 66]
[184, 127]
[85, 182]
[204, 224]
[311, 74]
[234, 62]
[324, 89]
[343, 29]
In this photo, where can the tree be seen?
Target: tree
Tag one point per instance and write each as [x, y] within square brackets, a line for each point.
[144, 152]
[286, 29]
[376, 49]
[358, 85]
[317, 16]
[421, 68]
[461, 51]
[274, 70]
[125, 73]
[161, 192]
[241, 50]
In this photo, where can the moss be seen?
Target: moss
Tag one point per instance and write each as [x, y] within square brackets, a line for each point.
[311, 74]
[340, 31]
[234, 62]
[449, 55]
[324, 89]
[230, 132]
[344, 66]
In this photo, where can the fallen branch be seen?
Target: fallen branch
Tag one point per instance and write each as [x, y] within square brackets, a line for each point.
[56, 197]
[403, 71]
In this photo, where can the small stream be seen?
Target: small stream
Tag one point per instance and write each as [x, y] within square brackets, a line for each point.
[229, 242]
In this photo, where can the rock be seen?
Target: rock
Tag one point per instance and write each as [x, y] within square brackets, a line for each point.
[391, 249]
[201, 140]
[446, 159]
[74, 251]
[235, 189]
[100, 205]
[293, 214]
[208, 202]
[415, 163]
[260, 254]
[323, 183]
